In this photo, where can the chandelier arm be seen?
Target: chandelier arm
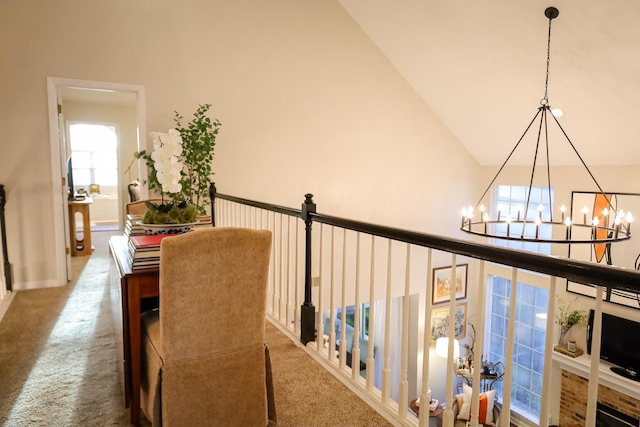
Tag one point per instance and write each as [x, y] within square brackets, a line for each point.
[533, 171]
[546, 135]
[582, 161]
[508, 158]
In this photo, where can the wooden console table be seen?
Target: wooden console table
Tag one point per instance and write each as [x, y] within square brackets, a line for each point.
[130, 290]
[80, 247]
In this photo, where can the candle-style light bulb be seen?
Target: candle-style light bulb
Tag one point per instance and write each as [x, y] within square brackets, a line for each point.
[595, 221]
[584, 215]
[563, 209]
[567, 222]
[538, 221]
[617, 223]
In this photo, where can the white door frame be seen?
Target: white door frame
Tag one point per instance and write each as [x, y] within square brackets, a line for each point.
[59, 202]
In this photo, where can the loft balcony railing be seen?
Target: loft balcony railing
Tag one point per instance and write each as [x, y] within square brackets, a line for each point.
[323, 265]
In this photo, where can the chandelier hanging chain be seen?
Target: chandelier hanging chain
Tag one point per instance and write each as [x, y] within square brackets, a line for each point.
[545, 100]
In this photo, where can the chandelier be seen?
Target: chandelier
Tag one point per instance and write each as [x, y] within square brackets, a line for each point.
[606, 226]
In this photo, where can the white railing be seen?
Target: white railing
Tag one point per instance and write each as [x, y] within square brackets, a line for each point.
[352, 268]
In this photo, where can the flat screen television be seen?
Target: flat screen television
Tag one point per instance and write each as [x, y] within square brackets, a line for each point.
[619, 345]
[70, 188]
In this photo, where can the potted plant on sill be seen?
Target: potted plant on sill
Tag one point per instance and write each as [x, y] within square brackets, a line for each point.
[180, 169]
[567, 318]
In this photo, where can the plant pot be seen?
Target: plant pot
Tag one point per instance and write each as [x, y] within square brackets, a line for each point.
[154, 229]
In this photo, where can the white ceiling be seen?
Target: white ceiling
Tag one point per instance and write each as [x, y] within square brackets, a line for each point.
[480, 66]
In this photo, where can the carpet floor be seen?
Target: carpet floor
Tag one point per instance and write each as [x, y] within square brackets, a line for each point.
[58, 362]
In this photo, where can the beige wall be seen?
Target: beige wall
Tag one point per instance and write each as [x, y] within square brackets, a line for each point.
[307, 103]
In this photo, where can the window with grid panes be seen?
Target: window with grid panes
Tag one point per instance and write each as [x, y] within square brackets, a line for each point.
[94, 149]
[531, 306]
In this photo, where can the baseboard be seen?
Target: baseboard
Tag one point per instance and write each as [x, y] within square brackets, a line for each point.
[5, 303]
[25, 286]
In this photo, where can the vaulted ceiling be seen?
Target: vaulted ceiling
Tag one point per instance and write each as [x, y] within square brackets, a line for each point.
[481, 67]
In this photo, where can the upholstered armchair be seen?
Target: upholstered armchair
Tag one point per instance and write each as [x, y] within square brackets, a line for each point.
[134, 190]
[489, 413]
[138, 207]
[204, 360]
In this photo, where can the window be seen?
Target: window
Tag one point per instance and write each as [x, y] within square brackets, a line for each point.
[350, 312]
[531, 305]
[529, 341]
[512, 200]
[94, 149]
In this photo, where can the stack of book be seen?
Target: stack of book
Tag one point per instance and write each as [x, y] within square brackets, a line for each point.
[202, 222]
[144, 251]
[132, 226]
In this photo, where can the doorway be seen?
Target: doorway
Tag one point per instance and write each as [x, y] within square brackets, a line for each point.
[94, 154]
[74, 101]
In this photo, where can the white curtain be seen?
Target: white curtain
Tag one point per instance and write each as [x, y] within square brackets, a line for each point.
[395, 346]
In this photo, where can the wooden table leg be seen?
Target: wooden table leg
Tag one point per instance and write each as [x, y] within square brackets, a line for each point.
[133, 299]
[126, 341]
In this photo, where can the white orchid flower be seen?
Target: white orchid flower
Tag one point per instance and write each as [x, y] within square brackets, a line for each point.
[166, 158]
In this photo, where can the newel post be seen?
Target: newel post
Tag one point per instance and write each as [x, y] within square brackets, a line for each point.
[3, 230]
[212, 196]
[307, 310]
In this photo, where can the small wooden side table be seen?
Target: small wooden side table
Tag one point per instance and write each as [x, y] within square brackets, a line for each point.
[82, 246]
[435, 416]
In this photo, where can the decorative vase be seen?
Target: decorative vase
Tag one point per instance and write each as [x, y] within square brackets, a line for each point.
[562, 335]
[155, 229]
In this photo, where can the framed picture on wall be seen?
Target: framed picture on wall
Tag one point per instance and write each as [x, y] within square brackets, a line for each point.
[440, 322]
[442, 284]
[624, 254]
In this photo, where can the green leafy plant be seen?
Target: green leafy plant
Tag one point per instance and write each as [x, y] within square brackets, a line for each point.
[567, 318]
[199, 141]
[180, 165]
